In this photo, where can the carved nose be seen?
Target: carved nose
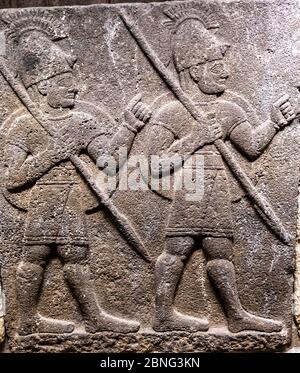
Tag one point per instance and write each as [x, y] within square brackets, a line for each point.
[73, 90]
[71, 59]
[225, 74]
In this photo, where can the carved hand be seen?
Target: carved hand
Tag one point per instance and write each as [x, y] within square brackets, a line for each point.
[63, 145]
[201, 135]
[282, 112]
[136, 114]
[210, 131]
[214, 130]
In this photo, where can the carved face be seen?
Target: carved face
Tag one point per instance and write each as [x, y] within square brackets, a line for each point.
[61, 91]
[211, 76]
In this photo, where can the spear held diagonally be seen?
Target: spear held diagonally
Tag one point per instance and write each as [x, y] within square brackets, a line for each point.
[121, 222]
[261, 204]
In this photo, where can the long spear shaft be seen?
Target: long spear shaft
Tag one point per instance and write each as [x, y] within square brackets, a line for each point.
[261, 204]
[121, 222]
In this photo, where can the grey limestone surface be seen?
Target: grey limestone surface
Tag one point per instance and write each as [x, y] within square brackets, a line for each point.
[87, 267]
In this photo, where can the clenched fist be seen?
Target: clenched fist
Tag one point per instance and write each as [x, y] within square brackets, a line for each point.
[137, 113]
[282, 112]
[63, 145]
[214, 130]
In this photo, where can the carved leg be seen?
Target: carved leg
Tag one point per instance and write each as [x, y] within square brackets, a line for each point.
[29, 279]
[168, 271]
[78, 277]
[222, 274]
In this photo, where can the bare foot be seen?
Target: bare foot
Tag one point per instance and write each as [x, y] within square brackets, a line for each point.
[106, 322]
[246, 321]
[178, 321]
[40, 324]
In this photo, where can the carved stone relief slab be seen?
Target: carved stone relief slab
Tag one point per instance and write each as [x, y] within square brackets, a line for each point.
[150, 162]
[2, 312]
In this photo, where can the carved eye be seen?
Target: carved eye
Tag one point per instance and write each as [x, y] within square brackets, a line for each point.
[217, 68]
[65, 82]
[61, 81]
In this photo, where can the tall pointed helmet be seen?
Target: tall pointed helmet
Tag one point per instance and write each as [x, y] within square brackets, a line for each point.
[32, 42]
[40, 58]
[193, 37]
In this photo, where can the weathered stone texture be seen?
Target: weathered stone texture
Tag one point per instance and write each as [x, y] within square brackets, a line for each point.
[47, 3]
[88, 268]
[2, 312]
[2, 330]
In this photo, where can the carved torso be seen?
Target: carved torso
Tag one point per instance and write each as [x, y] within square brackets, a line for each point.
[211, 213]
[56, 207]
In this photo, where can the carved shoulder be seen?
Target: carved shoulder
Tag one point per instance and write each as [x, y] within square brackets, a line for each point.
[21, 124]
[84, 119]
[173, 116]
[89, 126]
[231, 115]
[24, 133]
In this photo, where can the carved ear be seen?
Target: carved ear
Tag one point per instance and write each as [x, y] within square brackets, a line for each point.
[43, 87]
[71, 59]
[194, 72]
[224, 48]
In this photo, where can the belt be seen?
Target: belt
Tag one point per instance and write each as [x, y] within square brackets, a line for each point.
[205, 159]
[62, 174]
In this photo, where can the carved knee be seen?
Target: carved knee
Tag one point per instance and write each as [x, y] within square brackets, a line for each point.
[76, 274]
[72, 253]
[70, 270]
[218, 248]
[36, 254]
[179, 246]
[28, 270]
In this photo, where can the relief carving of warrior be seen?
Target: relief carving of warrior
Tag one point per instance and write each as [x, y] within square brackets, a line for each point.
[39, 150]
[47, 140]
[199, 58]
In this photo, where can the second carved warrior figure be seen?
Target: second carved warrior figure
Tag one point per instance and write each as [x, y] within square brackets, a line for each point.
[56, 212]
[199, 59]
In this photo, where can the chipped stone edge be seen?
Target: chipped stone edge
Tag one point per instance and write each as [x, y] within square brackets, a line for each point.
[297, 271]
[2, 313]
[2, 330]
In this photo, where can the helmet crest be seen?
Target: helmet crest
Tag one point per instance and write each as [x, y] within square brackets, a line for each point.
[193, 37]
[33, 20]
[32, 46]
[184, 12]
